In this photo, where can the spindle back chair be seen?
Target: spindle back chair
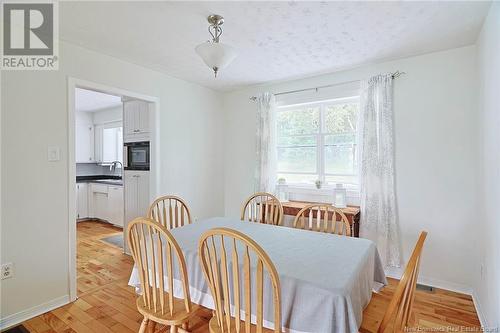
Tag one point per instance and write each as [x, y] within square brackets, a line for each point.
[232, 263]
[262, 207]
[170, 211]
[323, 218]
[158, 258]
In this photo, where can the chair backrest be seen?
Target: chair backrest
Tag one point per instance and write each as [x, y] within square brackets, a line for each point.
[170, 211]
[230, 258]
[262, 207]
[323, 218]
[402, 301]
[155, 250]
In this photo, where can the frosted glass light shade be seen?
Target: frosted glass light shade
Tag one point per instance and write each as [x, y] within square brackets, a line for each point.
[216, 55]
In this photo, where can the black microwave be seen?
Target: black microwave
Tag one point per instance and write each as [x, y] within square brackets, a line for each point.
[136, 155]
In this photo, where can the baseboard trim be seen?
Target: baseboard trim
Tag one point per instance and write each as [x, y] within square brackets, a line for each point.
[456, 287]
[479, 310]
[396, 273]
[24, 315]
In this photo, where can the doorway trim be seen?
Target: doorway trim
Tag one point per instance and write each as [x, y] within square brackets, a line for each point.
[74, 83]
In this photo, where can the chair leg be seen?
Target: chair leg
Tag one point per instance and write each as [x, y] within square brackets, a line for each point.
[184, 328]
[144, 325]
[173, 329]
[152, 326]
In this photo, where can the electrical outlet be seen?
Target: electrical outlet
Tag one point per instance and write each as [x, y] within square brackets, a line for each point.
[7, 270]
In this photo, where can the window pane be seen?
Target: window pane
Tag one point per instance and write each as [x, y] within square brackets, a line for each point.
[298, 179]
[340, 139]
[303, 140]
[341, 118]
[340, 159]
[298, 121]
[297, 159]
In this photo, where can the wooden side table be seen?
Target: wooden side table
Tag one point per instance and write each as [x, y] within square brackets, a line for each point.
[352, 213]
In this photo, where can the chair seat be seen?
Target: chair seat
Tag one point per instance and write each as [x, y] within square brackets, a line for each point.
[179, 316]
[214, 327]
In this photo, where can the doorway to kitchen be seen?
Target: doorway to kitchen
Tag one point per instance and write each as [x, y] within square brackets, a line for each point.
[112, 136]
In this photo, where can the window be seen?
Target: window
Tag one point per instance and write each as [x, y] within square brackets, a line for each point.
[317, 141]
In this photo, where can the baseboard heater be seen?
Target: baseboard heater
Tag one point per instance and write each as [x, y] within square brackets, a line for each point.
[424, 287]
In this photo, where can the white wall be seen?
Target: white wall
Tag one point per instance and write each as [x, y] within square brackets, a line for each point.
[436, 154]
[487, 284]
[35, 191]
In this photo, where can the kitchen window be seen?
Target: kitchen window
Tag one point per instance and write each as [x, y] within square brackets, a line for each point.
[318, 142]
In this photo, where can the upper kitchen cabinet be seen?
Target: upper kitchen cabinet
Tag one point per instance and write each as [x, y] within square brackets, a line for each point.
[136, 121]
[84, 139]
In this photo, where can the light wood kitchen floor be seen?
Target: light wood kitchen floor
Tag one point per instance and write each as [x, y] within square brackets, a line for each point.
[107, 304]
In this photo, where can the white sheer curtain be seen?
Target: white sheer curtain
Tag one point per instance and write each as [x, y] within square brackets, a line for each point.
[265, 173]
[379, 220]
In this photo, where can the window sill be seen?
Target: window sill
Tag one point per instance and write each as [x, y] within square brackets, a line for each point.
[324, 194]
[325, 189]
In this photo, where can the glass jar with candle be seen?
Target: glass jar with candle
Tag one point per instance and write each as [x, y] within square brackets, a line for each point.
[282, 190]
[339, 196]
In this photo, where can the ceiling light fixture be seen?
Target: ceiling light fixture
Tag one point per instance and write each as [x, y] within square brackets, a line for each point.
[215, 55]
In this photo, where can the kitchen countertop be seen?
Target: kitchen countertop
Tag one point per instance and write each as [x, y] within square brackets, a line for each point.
[102, 179]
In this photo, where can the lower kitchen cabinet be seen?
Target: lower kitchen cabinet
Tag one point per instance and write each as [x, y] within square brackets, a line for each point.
[82, 202]
[115, 205]
[136, 194]
[137, 201]
[100, 201]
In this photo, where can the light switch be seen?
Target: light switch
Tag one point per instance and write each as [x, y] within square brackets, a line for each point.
[54, 154]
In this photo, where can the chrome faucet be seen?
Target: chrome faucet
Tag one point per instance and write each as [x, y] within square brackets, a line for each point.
[113, 166]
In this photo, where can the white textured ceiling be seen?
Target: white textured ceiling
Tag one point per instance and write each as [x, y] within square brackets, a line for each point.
[91, 101]
[275, 40]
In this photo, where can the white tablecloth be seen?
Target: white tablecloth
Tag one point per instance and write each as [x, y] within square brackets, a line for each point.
[326, 280]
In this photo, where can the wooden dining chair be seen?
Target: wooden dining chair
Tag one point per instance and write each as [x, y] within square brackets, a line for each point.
[322, 218]
[155, 253]
[232, 262]
[170, 211]
[262, 207]
[398, 313]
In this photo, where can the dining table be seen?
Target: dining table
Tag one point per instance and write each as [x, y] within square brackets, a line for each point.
[326, 279]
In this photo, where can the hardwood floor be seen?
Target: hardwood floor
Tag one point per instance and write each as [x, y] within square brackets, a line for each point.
[107, 304]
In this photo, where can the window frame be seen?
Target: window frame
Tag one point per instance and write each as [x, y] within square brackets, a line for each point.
[320, 144]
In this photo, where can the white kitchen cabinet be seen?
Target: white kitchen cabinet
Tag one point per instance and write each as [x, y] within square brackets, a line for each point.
[106, 203]
[135, 121]
[143, 122]
[99, 201]
[82, 201]
[115, 205]
[136, 191]
[136, 194]
[84, 139]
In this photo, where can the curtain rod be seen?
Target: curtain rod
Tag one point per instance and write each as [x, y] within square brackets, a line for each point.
[394, 75]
